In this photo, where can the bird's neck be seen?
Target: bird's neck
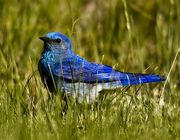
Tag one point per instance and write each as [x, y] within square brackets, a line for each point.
[53, 55]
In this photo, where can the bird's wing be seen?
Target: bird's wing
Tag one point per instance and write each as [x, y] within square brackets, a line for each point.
[80, 70]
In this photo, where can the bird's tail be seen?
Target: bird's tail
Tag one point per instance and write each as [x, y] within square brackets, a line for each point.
[128, 79]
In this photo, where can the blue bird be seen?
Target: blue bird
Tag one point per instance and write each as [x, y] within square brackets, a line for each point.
[62, 70]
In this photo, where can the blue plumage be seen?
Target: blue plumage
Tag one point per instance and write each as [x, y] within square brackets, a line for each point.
[61, 68]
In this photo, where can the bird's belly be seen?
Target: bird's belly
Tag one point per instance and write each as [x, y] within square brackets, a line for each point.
[87, 92]
[82, 91]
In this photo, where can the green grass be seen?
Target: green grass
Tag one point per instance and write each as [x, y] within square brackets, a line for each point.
[133, 36]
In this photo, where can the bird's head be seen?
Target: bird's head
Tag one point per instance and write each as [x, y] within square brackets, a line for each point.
[57, 42]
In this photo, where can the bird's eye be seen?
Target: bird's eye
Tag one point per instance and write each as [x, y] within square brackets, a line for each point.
[58, 40]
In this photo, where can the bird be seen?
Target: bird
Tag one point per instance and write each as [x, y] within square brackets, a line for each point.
[63, 70]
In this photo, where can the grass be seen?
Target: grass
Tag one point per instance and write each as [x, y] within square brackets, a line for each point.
[133, 37]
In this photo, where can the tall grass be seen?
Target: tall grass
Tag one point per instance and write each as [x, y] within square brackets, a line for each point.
[130, 36]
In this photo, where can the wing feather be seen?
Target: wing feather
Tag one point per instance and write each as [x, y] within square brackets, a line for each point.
[80, 70]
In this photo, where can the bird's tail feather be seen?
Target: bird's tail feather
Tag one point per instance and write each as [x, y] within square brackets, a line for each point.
[128, 79]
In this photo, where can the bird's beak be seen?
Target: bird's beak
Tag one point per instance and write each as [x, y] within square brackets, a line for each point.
[44, 38]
